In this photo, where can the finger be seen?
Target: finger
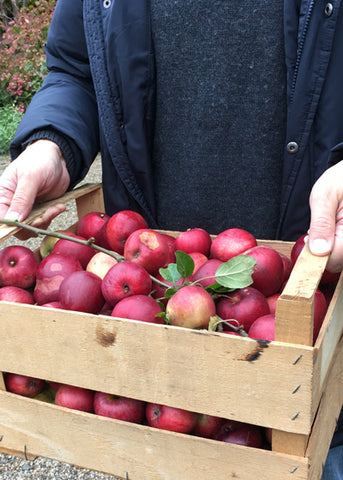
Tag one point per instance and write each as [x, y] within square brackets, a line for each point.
[324, 205]
[43, 221]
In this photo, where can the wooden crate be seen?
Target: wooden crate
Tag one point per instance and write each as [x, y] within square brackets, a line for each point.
[287, 385]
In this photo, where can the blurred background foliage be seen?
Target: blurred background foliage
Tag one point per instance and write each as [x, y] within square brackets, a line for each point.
[24, 27]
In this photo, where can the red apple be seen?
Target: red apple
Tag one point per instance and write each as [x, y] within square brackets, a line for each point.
[205, 275]
[24, 385]
[244, 305]
[123, 280]
[118, 228]
[272, 301]
[76, 398]
[52, 305]
[48, 242]
[81, 292]
[206, 425]
[100, 264]
[231, 242]
[199, 259]
[147, 248]
[268, 273]
[194, 240]
[263, 328]
[90, 225]
[240, 434]
[319, 312]
[171, 243]
[190, 307]
[287, 267]
[52, 270]
[170, 418]
[17, 295]
[120, 408]
[18, 266]
[138, 307]
[83, 253]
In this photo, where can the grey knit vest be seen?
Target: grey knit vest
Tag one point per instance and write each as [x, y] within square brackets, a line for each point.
[221, 112]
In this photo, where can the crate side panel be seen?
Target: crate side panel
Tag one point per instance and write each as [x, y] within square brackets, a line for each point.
[132, 451]
[268, 384]
[327, 415]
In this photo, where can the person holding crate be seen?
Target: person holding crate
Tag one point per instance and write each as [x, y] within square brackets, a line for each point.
[206, 114]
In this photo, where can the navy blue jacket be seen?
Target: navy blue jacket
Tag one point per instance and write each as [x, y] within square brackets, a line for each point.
[99, 95]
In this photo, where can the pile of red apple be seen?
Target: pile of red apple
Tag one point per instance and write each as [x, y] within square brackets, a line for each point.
[192, 280]
[137, 411]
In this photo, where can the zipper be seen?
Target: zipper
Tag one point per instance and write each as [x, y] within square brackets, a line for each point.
[301, 47]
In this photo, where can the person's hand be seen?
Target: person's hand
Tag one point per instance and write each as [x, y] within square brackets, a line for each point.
[326, 227]
[39, 173]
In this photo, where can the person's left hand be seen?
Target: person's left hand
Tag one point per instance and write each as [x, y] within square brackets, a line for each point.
[326, 227]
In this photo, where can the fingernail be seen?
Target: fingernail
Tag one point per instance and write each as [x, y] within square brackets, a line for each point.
[320, 246]
[13, 216]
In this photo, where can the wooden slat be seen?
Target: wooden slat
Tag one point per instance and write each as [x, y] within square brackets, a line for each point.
[327, 415]
[206, 372]
[290, 443]
[133, 451]
[294, 311]
[90, 202]
[39, 209]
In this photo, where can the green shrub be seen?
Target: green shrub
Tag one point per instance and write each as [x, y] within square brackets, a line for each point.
[10, 117]
[22, 58]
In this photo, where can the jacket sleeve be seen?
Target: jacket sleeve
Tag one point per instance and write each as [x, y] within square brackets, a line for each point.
[65, 105]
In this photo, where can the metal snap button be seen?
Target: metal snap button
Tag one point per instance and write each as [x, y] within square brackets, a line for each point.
[292, 147]
[328, 9]
[106, 3]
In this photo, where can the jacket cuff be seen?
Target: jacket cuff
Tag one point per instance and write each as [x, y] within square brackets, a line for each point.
[70, 151]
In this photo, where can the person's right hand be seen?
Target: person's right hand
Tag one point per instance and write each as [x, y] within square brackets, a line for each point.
[39, 173]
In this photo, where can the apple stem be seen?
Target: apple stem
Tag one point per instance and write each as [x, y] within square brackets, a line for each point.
[239, 329]
[50, 233]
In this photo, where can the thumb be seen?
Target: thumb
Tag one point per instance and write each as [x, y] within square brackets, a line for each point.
[322, 226]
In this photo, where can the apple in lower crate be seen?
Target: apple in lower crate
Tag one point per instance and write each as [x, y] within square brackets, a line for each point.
[16, 295]
[170, 418]
[147, 248]
[119, 227]
[240, 433]
[100, 264]
[319, 312]
[205, 275]
[77, 398]
[123, 280]
[81, 292]
[244, 305]
[268, 273]
[287, 267]
[190, 307]
[118, 407]
[138, 307]
[24, 385]
[272, 302]
[231, 242]
[18, 266]
[83, 253]
[194, 240]
[89, 225]
[207, 425]
[52, 270]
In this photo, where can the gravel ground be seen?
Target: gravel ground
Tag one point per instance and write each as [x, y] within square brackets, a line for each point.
[16, 468]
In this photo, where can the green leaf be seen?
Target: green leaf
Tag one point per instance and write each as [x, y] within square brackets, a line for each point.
[184, 263]
[236, 272]
[170, 292]
[171, 273]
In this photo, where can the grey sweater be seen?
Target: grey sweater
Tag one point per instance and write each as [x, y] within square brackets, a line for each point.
[221, 112]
